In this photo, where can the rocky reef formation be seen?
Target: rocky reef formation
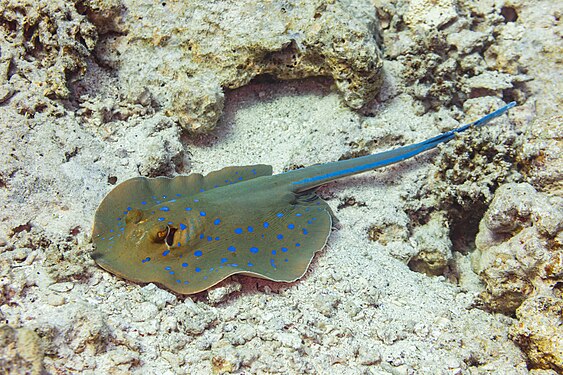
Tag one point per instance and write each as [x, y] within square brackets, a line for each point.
[185, 54]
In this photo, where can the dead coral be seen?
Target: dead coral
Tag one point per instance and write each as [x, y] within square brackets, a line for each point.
[21, 351]
[466, 174]
[441, 46]
[539, 332]
[185, 54]
[519, 246]
[434, 247]
[540, 157]
[471, 167]
[44, 44]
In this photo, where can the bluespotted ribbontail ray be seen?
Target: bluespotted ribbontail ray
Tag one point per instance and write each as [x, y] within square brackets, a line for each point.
[190, 232]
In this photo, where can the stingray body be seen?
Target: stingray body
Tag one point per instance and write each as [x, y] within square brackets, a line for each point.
[190, 232]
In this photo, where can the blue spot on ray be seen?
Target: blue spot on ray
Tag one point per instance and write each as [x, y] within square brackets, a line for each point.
[184, 265]
[238, 230]
[183, 226]
[232, 249]
[250, 229]
[279, 236]
[217, 221]
[291, 226]
[166, 252]
[164, 208]
[254, 250]
[266, 224]
[198, 253]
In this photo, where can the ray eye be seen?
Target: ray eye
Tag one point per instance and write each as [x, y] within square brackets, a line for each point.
[170, 236]
[159, 233]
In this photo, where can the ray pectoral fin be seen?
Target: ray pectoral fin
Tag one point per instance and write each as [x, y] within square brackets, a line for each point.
[276, 245]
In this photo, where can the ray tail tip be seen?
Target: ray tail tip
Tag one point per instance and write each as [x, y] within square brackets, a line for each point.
[487, 118]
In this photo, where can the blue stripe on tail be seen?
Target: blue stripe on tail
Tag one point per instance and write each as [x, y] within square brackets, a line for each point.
[402, 153]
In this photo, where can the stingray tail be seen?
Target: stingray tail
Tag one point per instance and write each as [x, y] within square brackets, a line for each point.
[309, 178]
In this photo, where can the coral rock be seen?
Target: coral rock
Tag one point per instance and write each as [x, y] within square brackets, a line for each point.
[541, 155]
[519, 246]
[186, 53]
[539, 332]
[48, 41]
[20, 351]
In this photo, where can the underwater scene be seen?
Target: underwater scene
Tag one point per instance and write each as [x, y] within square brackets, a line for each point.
[281, 187]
